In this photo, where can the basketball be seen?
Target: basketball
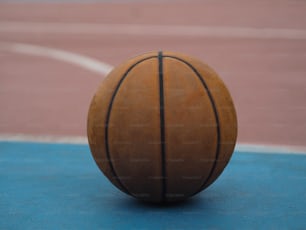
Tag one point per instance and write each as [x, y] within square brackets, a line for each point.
[162, 126]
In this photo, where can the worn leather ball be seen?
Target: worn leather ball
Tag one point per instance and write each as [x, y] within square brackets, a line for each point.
[162, 126]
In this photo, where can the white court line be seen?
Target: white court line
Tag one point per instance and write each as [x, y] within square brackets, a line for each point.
[277, 149]
[82, 140]
[60, 55]
[151, 30]
[43, 139]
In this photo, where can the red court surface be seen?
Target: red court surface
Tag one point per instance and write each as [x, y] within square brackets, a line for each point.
[264, 68]
[54, 55]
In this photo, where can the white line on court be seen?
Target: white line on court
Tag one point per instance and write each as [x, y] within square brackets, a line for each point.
[61, 55]
[151, 30]
[82, 140]
[43, 139]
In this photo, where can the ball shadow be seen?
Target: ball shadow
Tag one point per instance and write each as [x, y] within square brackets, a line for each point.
[139, 204]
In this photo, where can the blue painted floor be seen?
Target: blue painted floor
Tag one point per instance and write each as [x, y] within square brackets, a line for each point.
[58, 186]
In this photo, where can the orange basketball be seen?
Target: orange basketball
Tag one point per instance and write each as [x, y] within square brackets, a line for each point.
[162, 126]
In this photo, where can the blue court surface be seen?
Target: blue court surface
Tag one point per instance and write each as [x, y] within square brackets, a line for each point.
[58, 186]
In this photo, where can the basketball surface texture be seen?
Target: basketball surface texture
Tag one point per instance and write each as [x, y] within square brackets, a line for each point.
[162, 126]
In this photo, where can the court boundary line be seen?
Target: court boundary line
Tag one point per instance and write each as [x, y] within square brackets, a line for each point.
[82, 140]
[79, 60]
[152, 30]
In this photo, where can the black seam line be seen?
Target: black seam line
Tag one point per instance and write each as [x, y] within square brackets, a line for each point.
[216, 115]
[162, 125]
[108, 155]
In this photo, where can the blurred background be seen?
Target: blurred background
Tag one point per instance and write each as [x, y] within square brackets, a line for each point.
[54, 54]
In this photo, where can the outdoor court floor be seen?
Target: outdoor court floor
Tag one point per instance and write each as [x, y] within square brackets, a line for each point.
[58, 186]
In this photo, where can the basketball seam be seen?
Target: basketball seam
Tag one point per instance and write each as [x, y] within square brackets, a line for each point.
[216, 116]
[108, 155]
[162, 125]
